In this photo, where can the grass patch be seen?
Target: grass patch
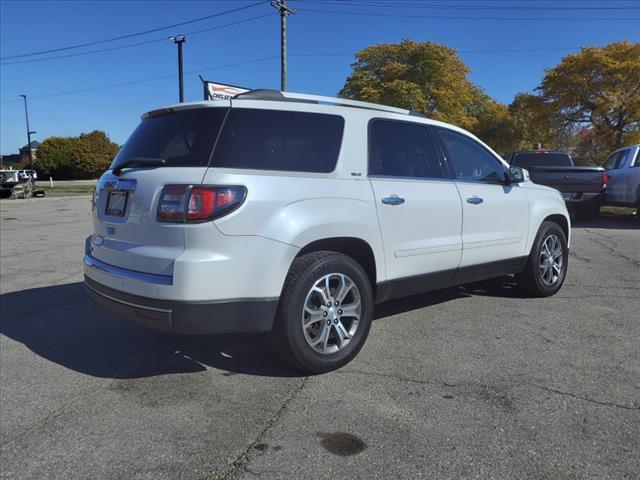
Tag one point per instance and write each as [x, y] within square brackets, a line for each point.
[617, 211]
[59, 190]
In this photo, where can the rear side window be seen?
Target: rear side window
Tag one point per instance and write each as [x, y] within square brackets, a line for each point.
[182, 138]
[526, 160]
[402, 149]
[279, 140]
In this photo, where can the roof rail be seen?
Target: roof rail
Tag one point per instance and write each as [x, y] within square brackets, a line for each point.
[276, 95]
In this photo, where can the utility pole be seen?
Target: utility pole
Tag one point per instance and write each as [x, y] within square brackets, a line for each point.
[179, 40]
[281, 6]
[29, 132]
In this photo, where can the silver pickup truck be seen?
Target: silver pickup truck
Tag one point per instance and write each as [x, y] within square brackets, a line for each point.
[623, 167]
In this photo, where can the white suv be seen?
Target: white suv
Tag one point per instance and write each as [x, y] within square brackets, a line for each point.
[294, 214]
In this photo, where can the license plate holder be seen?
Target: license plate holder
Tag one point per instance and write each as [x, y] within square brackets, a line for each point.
[117, 203]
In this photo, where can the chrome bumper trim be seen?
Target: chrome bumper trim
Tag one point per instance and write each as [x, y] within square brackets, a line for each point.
[123, 272]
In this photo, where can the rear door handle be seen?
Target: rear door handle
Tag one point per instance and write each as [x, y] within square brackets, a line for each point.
[393, 200]
[475, 200]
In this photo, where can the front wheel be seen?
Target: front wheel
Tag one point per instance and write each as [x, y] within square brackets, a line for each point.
[547, 263]
[325, 312]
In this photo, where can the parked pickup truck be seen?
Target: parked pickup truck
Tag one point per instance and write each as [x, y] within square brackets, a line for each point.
[582, 187]
[623, 167]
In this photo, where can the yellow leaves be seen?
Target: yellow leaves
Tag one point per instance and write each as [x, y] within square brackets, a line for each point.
[600, 85]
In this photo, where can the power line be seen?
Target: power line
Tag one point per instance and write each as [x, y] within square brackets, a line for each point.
[458, 17]
[149, 79]
[262, 59]
[136, 34]
[452, 6]
[146, 42]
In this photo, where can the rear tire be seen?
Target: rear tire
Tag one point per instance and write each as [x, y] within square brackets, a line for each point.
[547, 264]
[311, 332]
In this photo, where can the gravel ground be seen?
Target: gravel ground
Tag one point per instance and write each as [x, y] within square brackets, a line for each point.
[476, 381]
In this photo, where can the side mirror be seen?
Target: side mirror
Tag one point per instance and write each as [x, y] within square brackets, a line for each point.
[517, 175]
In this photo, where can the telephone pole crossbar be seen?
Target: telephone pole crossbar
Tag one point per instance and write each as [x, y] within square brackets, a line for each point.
[281, 6]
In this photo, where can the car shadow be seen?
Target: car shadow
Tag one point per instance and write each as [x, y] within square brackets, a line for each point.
[619, 222]
[61, 324]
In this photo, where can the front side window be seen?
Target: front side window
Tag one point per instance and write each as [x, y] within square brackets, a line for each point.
[470, 161]
[402, 149]
[279, 140]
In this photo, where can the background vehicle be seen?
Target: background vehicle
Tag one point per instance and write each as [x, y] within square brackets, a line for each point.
[8, 180]
[292, 214]
[581, 187]
[623, 167]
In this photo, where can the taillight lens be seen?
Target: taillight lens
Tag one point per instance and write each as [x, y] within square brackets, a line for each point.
[198, 203]
[605, 180]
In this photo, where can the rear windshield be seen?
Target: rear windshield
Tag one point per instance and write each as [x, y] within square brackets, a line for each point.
[251, 138]
[526, 160]
[279, 140]
[181, 138]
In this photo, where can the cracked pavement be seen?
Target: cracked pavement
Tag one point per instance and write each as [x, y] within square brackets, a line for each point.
[467, 382]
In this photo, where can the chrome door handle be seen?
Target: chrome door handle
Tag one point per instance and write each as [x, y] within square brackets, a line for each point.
[393, 200]
[475, 200]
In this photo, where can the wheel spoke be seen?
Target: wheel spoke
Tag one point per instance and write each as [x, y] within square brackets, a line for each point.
[327, 287]
[325, 342]
[326, 329]
[342, 332]
[312, 319]
[345, 287]
[351, 310]
[321, 291]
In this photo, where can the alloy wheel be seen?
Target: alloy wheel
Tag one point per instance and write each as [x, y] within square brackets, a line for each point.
[331, 313]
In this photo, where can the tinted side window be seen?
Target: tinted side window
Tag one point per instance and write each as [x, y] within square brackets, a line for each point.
[469, 160]
[279, 140]
[402, 149]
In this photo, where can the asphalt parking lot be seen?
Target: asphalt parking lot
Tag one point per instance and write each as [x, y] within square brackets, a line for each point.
[467, 382]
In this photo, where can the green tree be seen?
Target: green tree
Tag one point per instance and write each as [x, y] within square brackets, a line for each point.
[54, 157]
[598, 88]
[430, 78]
[92, 154]
[532, 120]
[425, 77]
[86, 156]
[493, 123]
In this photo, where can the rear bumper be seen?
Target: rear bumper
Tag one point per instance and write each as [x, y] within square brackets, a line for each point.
[189, 318]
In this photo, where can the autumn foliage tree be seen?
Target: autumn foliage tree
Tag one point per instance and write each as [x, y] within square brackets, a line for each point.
[598, 88]
[85, 156]
[425, 77]
[430, 78]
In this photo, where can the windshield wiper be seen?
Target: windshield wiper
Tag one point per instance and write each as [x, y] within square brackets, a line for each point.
[139, 162]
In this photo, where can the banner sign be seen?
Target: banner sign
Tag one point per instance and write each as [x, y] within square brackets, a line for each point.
[220, 91]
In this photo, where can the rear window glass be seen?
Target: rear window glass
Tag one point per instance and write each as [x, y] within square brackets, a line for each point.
[279, 140]
[402, 149]
[182, 138]
[526, 160]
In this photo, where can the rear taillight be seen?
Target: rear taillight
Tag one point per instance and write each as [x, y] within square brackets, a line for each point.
[605, 180]
[198, 203]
